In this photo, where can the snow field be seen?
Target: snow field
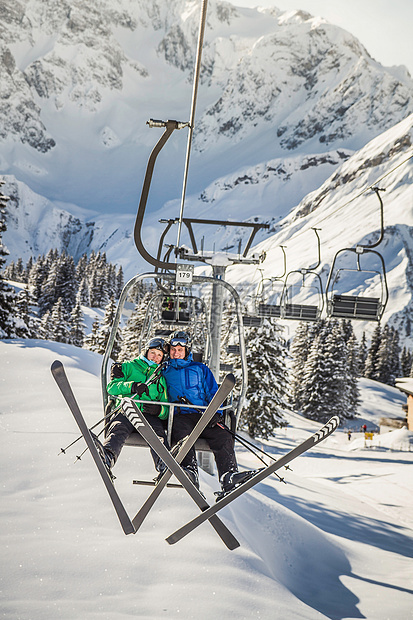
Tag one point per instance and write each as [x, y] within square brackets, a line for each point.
[335, 542]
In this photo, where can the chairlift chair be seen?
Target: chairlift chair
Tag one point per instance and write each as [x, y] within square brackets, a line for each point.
[268, 298]
[135, 438]
[359, 307]
[310, 282]
[300, 311]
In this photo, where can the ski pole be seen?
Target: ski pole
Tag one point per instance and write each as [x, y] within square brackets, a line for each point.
[79, 458]
[63, 450]
[247, 444]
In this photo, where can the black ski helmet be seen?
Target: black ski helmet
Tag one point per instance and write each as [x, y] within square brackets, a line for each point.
[156, 343]
[182, 338]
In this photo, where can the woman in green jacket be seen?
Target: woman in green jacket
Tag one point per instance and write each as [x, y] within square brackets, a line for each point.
[129, 379]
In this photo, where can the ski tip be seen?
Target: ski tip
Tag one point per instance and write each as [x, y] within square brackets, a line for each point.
[56, 365]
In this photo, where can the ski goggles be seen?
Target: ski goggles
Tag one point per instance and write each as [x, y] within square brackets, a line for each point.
[157, 343]
[179, 341]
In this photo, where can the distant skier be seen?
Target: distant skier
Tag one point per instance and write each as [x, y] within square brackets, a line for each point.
[193, 383]
[129, 379]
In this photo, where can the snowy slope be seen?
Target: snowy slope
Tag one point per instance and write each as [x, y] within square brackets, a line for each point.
[332, 543]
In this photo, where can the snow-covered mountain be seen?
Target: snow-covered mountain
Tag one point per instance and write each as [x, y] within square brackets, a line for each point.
[295, 119]
[79, 82]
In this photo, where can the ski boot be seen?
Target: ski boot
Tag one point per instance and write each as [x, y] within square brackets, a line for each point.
[233, 479]
[107, 457]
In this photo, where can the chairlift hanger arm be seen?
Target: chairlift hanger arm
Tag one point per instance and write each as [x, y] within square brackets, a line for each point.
[319, 250]
[377, 190]
[170, 126]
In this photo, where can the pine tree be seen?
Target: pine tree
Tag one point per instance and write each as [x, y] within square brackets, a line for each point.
[59, 325]
[267, 381]
[299, 353]
[363, 349]
[395, 365]
[27, 270]
[10, 322]
[383, 366]
[61, 283]
[45, 331]
[370, 367]
[353, 368]
[98, 285]
[91, 341]
[77, 331]
[327, 388]
[9, 272]
[120, 282]
[406, 362]
[106, 328]
[37, 277]
[83, 292]
[30, 323]
[388, 356]
[314, 392]
[133, 329]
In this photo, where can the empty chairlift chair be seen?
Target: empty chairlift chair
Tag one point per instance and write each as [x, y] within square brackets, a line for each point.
[269, 294]
[360, 306]
[308, 284]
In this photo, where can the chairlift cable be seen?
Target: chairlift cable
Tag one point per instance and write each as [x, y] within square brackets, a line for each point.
[370, 187]
[192, 116]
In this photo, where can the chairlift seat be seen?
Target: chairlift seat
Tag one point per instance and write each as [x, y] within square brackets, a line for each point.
[251, 321]
[226, 367]
[163, 332]
[135, 439]
[300, 312]
[233, 349]
[353, 307]
[269, 310]
[169, 316]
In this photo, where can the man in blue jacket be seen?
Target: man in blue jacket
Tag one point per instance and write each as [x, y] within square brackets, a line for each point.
[193, 383]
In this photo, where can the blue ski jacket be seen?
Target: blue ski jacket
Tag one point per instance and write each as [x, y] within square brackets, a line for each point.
[190, 380]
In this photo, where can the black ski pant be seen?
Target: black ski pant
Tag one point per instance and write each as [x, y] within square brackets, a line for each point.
[219, 440]
[121, 428]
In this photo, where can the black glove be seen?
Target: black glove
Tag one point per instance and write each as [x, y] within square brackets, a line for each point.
[151, 409]
[216, 418]
[116, 371]
[139, 389]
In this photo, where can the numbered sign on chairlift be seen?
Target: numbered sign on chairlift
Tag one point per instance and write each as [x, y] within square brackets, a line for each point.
[184, 274]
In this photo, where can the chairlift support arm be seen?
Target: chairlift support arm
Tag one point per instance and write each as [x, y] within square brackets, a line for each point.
[170, 127]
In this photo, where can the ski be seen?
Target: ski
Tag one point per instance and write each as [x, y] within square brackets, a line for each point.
[319, 436]
[132, 412]
[221, 394]
[62, 381]
[153, 483]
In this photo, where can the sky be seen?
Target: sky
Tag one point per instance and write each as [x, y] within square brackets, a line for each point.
[383, 27]
[335, 542]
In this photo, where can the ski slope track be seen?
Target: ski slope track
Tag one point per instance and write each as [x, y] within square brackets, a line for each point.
[335, 542]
